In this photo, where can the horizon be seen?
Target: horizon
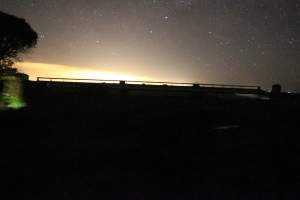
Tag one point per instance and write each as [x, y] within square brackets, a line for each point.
[41, 70]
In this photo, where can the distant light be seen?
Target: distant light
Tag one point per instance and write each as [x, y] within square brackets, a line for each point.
[35, 70]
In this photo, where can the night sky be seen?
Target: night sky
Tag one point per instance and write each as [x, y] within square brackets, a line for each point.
[254, 42]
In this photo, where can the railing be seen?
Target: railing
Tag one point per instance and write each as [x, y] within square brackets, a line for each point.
[124, 82]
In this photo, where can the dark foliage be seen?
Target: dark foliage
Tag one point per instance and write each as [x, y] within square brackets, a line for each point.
[16, 36]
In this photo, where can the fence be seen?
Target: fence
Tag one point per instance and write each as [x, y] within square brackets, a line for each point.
[126, 82]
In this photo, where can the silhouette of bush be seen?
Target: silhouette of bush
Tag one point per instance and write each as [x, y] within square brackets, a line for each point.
[16, 37]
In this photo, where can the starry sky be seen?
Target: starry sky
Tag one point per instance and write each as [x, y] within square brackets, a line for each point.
[253, 42]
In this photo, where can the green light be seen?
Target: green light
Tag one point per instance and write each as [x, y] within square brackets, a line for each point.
[11, 102]
[11, 96]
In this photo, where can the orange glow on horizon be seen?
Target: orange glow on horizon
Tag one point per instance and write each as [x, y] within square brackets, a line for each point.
[35, 70]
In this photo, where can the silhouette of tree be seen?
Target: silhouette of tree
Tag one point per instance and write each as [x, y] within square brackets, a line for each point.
[16, 37]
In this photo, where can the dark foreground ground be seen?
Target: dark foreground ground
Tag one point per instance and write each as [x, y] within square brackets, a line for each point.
[88, 141]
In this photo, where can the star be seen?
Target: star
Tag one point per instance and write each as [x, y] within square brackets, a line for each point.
[42, 36]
